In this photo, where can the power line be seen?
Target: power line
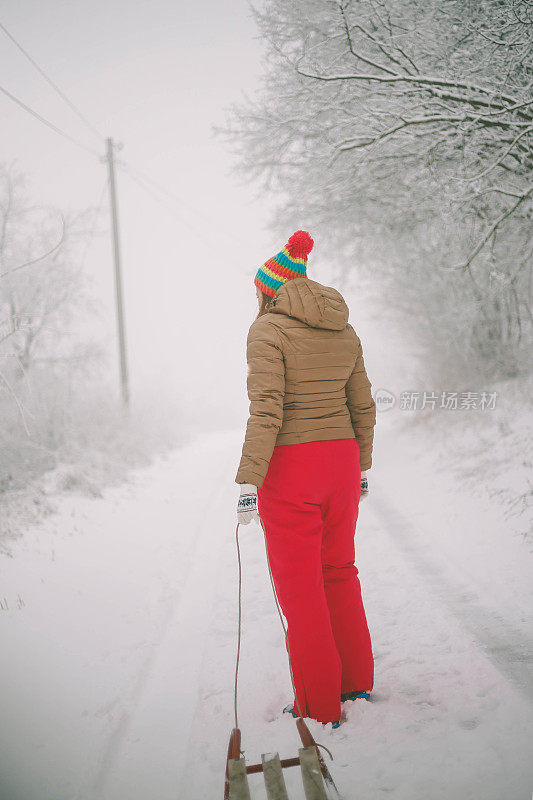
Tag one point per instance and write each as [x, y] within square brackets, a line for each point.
[141, 176]
[48, 123]
[54, 86]
[141, 182]
[159, 187]
[203, 233]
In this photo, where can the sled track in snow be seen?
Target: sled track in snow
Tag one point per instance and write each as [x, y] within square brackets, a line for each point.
[508, 649]
[153, 727]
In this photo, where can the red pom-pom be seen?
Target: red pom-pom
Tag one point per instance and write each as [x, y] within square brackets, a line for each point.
[300, 244]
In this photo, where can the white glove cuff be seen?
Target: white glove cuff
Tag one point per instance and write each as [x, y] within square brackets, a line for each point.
[248, 488]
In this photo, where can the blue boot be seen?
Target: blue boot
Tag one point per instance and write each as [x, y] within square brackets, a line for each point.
[290, 710]
[337, 723]
[355, 696]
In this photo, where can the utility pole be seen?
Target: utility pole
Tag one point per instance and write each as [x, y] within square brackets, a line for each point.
[118, 277]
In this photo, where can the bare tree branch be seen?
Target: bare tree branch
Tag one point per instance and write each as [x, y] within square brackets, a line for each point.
[493, 228]
[42, 257]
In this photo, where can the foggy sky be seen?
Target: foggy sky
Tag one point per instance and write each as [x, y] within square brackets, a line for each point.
[156, 77]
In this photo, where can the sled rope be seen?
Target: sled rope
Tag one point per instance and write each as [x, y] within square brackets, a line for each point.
[281, 618]
[239, 626]
[318, 783]
[240, 621]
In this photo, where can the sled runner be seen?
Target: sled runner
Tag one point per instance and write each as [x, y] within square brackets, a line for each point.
[317, 781]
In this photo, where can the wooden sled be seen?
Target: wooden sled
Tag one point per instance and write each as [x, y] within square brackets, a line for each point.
[317, 781]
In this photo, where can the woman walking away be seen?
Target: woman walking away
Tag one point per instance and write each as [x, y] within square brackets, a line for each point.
[308, 445]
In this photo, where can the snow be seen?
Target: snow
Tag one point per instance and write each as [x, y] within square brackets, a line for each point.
[118, 630]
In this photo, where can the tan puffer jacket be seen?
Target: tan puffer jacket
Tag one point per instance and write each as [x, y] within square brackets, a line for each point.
[306, 378]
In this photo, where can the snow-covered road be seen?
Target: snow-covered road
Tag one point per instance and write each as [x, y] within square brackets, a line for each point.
[118, 642]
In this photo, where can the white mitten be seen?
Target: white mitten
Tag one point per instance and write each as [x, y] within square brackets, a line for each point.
[247, 506]
[364, 485]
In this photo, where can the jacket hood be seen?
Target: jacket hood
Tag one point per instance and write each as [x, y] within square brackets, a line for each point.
[317, 305]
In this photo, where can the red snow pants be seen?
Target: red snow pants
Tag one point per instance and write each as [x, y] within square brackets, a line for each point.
[309, 502]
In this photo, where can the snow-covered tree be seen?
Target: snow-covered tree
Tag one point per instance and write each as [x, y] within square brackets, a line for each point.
[43, 295]
[42, 284]
[402, 130]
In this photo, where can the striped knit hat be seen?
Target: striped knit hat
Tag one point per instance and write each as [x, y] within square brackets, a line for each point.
[291, 262]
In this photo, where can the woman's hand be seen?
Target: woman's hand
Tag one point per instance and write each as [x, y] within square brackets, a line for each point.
[364, 486]
[247, 505]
